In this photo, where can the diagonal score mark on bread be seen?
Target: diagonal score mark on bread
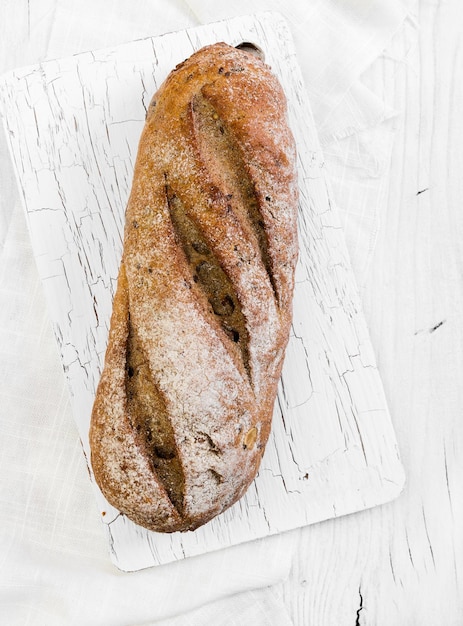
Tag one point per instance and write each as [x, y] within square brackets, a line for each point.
[210, 278]
[148, 416]
[221, 156]
[116, 446]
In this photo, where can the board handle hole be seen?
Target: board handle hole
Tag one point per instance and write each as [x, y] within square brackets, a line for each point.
[251, 48]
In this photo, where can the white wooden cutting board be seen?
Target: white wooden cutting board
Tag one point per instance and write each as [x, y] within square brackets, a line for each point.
[73, 127]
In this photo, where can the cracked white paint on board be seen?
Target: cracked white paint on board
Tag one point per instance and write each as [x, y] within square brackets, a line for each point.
[73, 126]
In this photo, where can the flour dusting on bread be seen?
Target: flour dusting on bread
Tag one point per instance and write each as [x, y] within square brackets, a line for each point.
[202, 313]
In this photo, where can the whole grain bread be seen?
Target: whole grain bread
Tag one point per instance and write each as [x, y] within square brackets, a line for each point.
[202, 311]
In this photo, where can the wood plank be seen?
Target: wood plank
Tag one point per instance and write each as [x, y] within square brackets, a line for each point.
[402, 563]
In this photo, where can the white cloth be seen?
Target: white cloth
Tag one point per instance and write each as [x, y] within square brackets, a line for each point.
[261, 607]
[54, 567]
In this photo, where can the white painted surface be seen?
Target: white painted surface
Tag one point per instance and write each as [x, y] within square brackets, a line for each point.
[73, 127]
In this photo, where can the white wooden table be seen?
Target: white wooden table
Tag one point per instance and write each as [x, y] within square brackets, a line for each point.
[400, 564]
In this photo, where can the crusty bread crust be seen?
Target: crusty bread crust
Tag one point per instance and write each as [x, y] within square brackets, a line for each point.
[202, 312]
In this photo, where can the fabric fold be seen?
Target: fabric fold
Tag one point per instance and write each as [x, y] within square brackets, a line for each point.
[260, 607]
[336, 40]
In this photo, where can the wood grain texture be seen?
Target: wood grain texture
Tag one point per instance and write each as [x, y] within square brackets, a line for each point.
[73, 126]
[402, 564]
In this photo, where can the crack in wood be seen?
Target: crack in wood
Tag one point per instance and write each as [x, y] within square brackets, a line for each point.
[357, 619]
[434, 328]
[430, 330]
[427, 535]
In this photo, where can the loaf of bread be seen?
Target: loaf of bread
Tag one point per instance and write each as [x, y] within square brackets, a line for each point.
[202, 311]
